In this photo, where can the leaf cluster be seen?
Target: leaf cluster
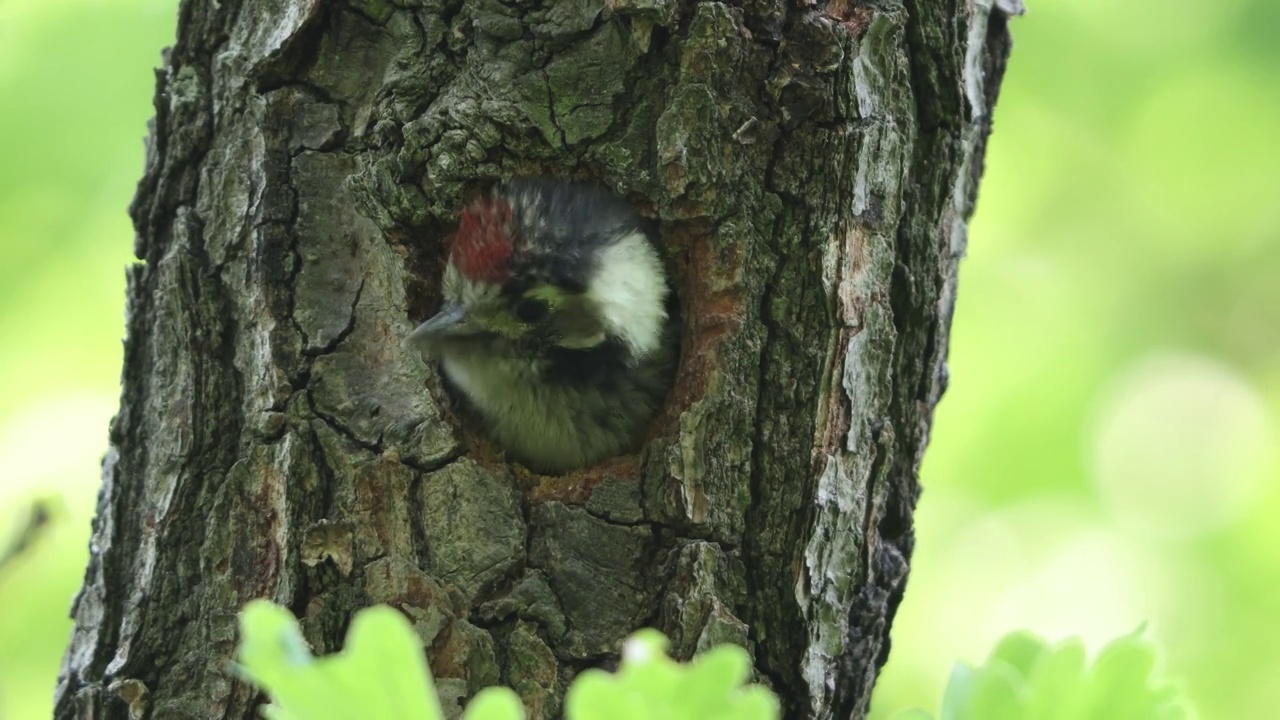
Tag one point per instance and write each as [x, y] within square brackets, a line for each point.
[381, 674]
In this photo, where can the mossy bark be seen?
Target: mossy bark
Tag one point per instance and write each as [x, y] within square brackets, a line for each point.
[810, 168]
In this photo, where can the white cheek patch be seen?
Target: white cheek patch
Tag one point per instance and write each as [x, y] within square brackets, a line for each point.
[630, 291]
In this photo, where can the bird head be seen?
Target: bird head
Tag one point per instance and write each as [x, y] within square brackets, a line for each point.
[541, 268]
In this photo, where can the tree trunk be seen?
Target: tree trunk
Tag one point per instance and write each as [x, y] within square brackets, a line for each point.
[811, 168]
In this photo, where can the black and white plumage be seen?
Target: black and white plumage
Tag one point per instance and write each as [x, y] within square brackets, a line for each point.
[557, 327]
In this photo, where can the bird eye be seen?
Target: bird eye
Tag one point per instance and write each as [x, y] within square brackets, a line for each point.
[531, 310]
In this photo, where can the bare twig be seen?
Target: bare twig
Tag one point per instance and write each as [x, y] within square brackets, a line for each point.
[37, 518]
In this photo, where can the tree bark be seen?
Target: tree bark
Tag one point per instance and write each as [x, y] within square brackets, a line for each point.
[810, 166]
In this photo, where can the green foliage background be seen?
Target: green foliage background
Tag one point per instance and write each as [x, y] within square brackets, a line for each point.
[1107, 453]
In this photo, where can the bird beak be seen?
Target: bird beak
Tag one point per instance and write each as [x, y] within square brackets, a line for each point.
[451, 321]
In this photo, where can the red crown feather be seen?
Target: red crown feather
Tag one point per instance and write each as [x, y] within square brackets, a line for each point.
[483, 243]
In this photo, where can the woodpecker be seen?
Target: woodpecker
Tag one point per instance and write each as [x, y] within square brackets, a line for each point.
[558, 326]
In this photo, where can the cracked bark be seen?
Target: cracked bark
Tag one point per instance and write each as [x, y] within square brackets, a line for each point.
[811, 169]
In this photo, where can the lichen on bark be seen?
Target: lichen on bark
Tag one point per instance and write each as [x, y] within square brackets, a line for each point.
[810, 168]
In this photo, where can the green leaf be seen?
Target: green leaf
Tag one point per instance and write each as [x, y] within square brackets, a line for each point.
[495, 703]
[1056, 687]
[1026, 679]
[960, 688]
[1125, 686]
[997, 694]
[380, 674]
[593, 692]
[1021, 651]
[649, 685]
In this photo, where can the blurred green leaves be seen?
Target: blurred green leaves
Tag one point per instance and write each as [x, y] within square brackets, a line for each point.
[1027, 679]
[381, 675]
[649, 684]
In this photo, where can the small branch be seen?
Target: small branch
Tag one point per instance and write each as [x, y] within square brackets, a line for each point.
[38, 516]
